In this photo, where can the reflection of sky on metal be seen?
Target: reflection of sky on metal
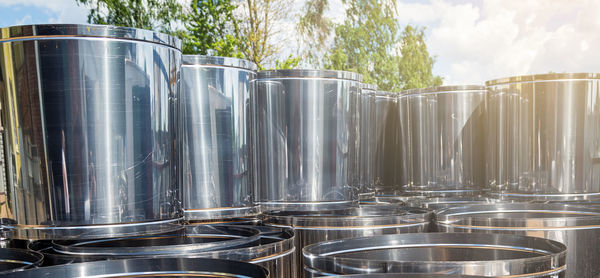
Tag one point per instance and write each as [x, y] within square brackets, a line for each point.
[473, 40]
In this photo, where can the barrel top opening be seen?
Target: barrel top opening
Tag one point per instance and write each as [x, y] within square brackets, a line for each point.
[310, 73]
[58, 31]
[206, 60]
[542, 77]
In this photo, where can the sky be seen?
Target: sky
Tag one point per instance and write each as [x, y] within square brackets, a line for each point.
[472, 40]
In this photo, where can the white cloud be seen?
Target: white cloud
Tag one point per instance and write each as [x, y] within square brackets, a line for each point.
[59, 11]
[25, 20]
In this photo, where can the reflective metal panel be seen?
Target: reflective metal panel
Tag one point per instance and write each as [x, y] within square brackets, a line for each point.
[386, 151]
[215, 137]
[306, 139]
[577, 227]
[446, 137]
[490, 255]
[543, 136]
[89, 116]
[367, 127]
[15, 260]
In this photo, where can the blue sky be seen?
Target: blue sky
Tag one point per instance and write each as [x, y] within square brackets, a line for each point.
[473, 40]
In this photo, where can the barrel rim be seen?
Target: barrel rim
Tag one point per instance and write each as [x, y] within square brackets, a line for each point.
[34, 258]
[542, 77]
[309, 73]
[207, 60]
[369, 86]
[58, 31]
[445, 89]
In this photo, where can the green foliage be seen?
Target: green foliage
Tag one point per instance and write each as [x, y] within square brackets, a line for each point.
[145, 14]
[416, 64]
[290, 63]
[368, 41]
[314, 28]
[211, 25]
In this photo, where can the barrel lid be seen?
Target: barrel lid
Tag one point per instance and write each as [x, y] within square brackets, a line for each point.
[207, 60]
[309, 73]
[444, 89]
[542, 77]
[58, 31]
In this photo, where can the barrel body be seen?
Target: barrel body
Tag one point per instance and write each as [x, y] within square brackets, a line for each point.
[89, 116]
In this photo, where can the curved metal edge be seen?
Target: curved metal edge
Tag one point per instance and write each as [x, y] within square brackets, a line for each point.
[310, 73]
[536, 197]
[164, 266]
[306, 206]
[443, 89]
[369, 87]
[218, 61]
[95, 231]
[542, 77]
[27, 258]
[86, 30]
[386, 94]
[219, 213]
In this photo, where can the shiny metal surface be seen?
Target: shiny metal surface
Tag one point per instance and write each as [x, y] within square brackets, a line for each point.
[446, 137]
[163, 267]
[306, 139]
[275, 251]
[437, 204]
[543, 133]
[407, 275]
[16, 260]
[215, 137]
[193, 240]
[386, 148]
[577, 227]
[89, 118]
[367, 128]
[52, 257]
[493, 255]
[313, 227]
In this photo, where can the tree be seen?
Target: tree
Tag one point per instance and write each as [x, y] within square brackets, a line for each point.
[261, 38]
[314, 29]
[145, 14]
[211, 28]
[416, 64]
[370, 42]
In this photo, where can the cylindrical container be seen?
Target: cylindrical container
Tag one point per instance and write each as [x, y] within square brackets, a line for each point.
[195, 239]
[15, 260]
[305, 139]
[275, 251]
[491, 255]
[385, 145]
[577, 227]
[312, 227]
[89, 117]
[543, 132]
[156, 267]
[437, 204]
[367, 127]
[215, 137]
[446, 137]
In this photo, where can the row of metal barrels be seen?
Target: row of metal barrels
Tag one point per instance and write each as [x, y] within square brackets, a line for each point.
[466, 236]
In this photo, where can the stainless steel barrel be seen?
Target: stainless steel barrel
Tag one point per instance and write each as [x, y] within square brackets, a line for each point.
[367, 127]
[577, 227]
[386, 151]
[89, 117]
[193, 240]
[447, 139]
[306, 139]
[492, 255]
[543, 132]
[15, 260]
[163, 267]
[312, 227]
[437, 204]
[215, 137]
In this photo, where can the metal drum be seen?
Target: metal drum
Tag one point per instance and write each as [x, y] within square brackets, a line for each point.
[367, 128]
[312, 227]
[306, 139]
[12, 259]
[275, 251]
[543, 132]
[437, 204]
[196, 239]
[446, 137]
[385, 146]
[492, 255]
[89, 117]
[163, 267]
[215, 137]
[577, 227]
